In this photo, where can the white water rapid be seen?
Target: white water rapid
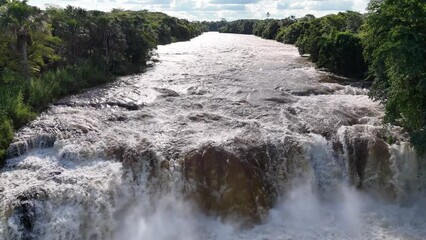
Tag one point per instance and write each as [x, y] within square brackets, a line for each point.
[226, 137]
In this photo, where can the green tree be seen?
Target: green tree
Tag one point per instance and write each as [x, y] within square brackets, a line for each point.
[271, 29]
[342, 54]
[395, 48]
[292, 33]
[69, 24]
[20, 22]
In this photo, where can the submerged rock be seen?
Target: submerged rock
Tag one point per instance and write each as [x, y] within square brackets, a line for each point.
[165, 92]
[22, 147]
[230, 185]
[373, 164]
[24, 213]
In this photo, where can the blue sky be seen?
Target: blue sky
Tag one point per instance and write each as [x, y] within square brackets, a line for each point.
[217, 9]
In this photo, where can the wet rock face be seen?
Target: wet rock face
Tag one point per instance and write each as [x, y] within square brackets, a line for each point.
[24, 212]
[379, 170]
[233, 186]
[370, 163]
[137, 158]
[357, 151]
[21, 147]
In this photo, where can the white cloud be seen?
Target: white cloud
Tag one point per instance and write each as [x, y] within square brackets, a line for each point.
[216, 9]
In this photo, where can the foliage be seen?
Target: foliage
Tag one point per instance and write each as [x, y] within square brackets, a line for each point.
[6, 133]
[270, 30]
[314, 32]
[13, 107]
[263, 28]
[394, 37]
[214, 26]
[342, 54]
[27, 32]
[239, 26]
[290, 34]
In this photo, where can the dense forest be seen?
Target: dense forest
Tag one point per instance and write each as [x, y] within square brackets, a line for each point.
[48, 54]
[386, 46]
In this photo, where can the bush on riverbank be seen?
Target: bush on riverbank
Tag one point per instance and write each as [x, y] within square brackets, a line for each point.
[239, 26]
[342, 54]
[64, 81]
[6, 133]
[45, 55]
[394, 39]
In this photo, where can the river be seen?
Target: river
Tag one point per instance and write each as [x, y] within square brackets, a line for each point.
[224, 137]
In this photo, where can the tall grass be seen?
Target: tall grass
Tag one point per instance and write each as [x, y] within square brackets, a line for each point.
[6, 134]
[20, 101]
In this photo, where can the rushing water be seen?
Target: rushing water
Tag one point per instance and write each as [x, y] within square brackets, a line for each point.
[226, 137]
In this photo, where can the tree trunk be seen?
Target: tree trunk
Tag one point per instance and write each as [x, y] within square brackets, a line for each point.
[25, 63]
[107, 52]
[23, 47]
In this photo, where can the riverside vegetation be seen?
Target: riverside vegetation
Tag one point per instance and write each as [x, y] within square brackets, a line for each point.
[386, 47]
[45, 55]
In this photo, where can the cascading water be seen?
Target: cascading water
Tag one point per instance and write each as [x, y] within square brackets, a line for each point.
[233, 139]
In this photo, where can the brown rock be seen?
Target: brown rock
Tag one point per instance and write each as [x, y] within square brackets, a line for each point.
[227, 184]
[369, 162]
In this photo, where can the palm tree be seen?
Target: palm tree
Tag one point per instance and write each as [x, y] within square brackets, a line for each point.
[19, 21]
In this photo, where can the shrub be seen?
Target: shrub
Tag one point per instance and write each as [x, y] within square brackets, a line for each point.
[6, 135]
[342, 54]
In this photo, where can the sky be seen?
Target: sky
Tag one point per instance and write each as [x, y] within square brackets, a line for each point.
[217, 9]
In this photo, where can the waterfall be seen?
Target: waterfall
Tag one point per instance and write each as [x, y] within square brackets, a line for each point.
[231, 139]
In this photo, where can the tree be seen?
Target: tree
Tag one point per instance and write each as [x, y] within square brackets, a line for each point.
[70, 25]
[20, 21]
[270, 29]
[353, 21]
[292, 33]
[395, 48]
[342, 54]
